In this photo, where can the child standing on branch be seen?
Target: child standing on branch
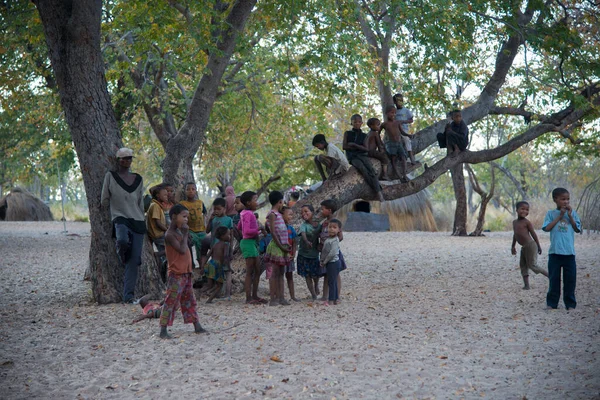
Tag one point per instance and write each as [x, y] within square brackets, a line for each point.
[356, 151]
[404, 117]
[562, 223]
[375, 146]
[525, 235]
[393, 144]
[179, 282]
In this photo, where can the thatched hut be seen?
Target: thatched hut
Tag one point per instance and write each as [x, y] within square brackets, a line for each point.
[20, 205]
[411, 213]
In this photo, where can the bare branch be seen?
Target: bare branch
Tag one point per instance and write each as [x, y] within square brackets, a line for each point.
[512, 178]
[184, 10]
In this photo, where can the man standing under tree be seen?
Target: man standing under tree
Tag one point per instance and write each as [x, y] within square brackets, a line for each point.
[123, 192]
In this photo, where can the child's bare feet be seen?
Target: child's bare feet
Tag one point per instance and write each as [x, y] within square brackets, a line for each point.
[273, 303]
[526, 287]
[209, 301]
[164, 334]
[198, 328]
[295, 299]
[335, 303]
[325, 303]
[284, 302]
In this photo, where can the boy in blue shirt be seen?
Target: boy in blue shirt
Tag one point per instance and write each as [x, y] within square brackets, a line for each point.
[562, 223]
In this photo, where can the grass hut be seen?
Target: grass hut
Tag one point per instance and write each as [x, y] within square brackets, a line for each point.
[411, 213]
[20, 205]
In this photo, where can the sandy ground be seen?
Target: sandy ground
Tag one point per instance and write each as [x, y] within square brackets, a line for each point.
[424, 316]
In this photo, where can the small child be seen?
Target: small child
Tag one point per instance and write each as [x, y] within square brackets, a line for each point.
[196, 222]
[151, 309]
[393, 145]
[218, 219]
[248, 226]
[376, 148]
[278, 251]
[308, 253]
[230, 197]
[156, 225]
[239, 207]
[218, 265]
[562, 223]
[335, 161]
[328, 208]
[330, 260]
[292, 236]
[525, 235]
[179, 282]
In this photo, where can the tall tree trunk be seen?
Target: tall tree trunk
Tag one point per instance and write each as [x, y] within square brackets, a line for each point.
[72, 31]
[460, 194]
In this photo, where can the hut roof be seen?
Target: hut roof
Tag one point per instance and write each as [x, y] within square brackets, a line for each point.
[20, 205]
[411, 213]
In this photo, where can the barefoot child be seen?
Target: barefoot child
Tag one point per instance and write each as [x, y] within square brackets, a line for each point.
[277, 255]
[151, 309]
[248, 226]
[376, 148]
[219, 261]
[525, 235]
[308, 253]
[218, 219]
[393, 145]
[562, 223]
[179, 281]
[196, 221]
[292, 239]
[330, 260]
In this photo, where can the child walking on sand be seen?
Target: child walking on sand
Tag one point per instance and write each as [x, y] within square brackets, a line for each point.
[330, 260]
[562, 223]
[197, 212]
[308, 252]
[292, 236]
[277, 255]
[525, 235]
[248, 226]
[219, 262]
[179, 281]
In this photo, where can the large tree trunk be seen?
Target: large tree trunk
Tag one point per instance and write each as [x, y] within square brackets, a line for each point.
[72, 31]
[460, 194]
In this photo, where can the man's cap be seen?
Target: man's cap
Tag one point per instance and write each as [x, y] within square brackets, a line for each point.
[124, 152]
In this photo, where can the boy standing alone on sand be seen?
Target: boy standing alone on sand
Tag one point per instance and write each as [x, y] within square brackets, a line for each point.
[562, 223]
[525, 235]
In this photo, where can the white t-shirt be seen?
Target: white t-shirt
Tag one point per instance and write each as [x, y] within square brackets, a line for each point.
[404, 114]
[334, 152]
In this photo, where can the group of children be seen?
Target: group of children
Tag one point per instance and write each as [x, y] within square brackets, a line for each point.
[360, 146]
[177, 228]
